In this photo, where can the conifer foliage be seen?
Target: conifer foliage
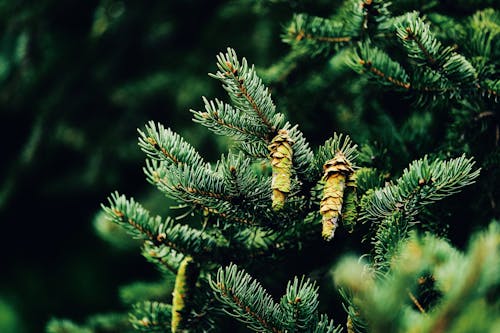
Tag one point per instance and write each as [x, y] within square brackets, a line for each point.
[272, 193]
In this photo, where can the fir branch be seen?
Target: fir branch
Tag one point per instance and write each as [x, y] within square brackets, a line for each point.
[378, 65]
[391, 233]
[248, 300]
[160, 143]
[247, 92]
[241, 182]
[422, 183]
[318, 35]
[151, 316]
[302, 153]
[424, 48]
[187, 184]
[163, 257]
[326, 325]
[132, 216]
[223, 119]
[421, 44]
[368, 178]
[205, 189]
[480, 274]
[481, 38]
[326, 152]
[300, 303]
[137, 221]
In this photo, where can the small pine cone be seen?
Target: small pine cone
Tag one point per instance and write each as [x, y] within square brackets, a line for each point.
[350, 213]
[185, 281]
[281, 163]
[337, 174]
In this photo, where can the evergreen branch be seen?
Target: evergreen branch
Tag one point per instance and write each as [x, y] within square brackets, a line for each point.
[137, 221]
[241, 182]
[163, 257]
[459, 70]
[355, 323]
[317, 34]
[300, 303]
[421, 44]
[223, 119]
[326, 152]
[187, 183]
[248, 300]
[430, 84]
[482, 35]
[424, 48]
[480, 275]
[326, 325]
[422, 183]
[208, 190]
[257, 150]
[388, 239]
[302, 153]
[465, 282]
[378, 65]
[187, 240]
[368, 178]
[362, 17]
[132, 216]
[160, 143]
[247, 92]
[490, 88]
[151, 316]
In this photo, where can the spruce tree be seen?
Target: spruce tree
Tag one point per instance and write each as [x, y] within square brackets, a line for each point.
[273, 193]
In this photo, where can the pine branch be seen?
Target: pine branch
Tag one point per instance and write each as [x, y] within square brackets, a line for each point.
[391, 233]
[204, 189]
[421, 44]
[317, 35]
[302, 153]
[379, 66]
[223, 119]
[251, 304]
[151, 317]
[163, 257]
[241, 182]
[247, 92]
[137, 221]
[132, 216]
[425, 50]
[326, 152]
[248, 300]
[465, 282]
[326, 325]
[160, 143]
[300, 303]
[422, 183]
